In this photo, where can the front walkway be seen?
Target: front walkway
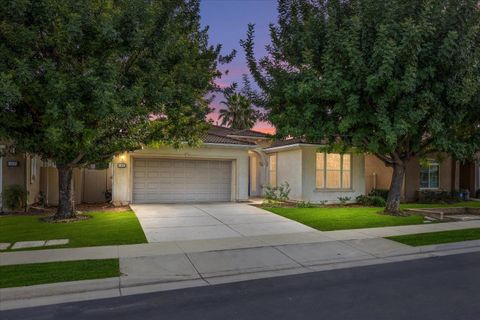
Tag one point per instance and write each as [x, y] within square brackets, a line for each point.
[178, 222]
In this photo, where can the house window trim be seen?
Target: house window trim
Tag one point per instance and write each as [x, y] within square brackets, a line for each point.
[270, 169]
[431, 161]
[325, 188]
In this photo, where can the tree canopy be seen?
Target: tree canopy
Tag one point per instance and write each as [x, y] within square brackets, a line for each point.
[81, 80]
[396, 78]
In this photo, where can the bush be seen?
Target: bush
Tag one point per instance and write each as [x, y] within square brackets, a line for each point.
[438, 196]
[275, 195]
[305, 204]
[15, 198]
[363, 200]
[477, 194]
[378, 201]
[280, 193]
[372, 201]
[380, 193]
[344, 200]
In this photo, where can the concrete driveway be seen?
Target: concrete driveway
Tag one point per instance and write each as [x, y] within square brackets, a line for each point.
[177, 222]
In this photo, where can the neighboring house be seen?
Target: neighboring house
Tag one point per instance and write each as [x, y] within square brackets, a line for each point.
[233, 165]
[433, 173]
[40, 179]
[19, 169]
[470, 176]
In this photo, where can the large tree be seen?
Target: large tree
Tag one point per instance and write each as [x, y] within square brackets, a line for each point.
[81, 80]
[395, 78]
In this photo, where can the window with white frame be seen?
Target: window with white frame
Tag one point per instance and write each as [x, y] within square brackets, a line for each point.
[430, 175]
[272, 169]
[333, 171]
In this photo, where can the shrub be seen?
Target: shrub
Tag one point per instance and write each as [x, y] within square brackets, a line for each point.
[374, 201]
[305, 204]
[15, 197]
[378, 201]
[477, 194]
[379, 192]
[363, 200]
[438, 196]
[280, 193]
[344, 200]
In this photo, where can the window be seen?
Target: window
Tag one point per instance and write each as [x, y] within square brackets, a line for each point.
[429, 175]
[272, 170]
[334, 171]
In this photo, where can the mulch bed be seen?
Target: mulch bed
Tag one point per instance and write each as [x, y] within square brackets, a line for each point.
[79, 208]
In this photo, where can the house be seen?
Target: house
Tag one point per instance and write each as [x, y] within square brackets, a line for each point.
[233, 165]
[432, 173]
[470, 176]
[40, 179]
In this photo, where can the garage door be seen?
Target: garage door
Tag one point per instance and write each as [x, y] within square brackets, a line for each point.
[172, 180]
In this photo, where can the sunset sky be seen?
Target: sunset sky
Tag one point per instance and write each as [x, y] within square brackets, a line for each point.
[228, 20]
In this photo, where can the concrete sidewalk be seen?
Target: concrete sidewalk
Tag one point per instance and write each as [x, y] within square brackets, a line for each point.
[183, 270]
[190, 246]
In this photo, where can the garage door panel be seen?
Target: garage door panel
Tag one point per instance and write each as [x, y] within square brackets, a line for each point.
[173, 180]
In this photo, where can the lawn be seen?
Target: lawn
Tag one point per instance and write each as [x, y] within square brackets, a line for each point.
[338, 218]
[104, 228]
[40, 273]
[424, 239]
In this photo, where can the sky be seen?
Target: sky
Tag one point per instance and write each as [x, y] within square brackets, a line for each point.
[228, 21]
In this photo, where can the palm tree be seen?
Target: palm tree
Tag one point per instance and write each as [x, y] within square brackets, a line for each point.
[239, 113]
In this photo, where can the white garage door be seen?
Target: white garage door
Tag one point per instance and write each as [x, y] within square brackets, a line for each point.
[173, 180]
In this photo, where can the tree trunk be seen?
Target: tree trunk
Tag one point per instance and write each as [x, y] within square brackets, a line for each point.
[393, 200]
[65, 199]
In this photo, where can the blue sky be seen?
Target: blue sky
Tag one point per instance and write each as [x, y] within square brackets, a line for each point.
[228, 20]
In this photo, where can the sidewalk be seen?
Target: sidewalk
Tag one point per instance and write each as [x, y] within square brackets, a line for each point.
[173, 265]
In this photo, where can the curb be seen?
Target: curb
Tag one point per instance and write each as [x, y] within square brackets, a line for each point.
[76, 291]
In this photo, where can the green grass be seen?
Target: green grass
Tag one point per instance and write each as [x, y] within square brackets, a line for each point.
[40, 273]
[424, 239]
[338, 218]
[103, 228]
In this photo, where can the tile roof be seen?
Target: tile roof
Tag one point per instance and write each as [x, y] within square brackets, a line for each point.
[214, 138]
[224, 131]
[291, 141]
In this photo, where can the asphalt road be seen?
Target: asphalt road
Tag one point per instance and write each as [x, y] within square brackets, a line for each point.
[436, 288]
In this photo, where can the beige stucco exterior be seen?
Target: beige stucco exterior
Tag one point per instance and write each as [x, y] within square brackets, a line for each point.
[123, 177]
[296, 164]
[26, 175]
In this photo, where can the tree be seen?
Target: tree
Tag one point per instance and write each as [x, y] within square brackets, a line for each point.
[82, 80]
[395, 78]
[239, 113]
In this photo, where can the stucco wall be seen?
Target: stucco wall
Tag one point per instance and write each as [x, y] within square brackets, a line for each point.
[310, 193]
[289, 169]
[122, 177]
[32, 181]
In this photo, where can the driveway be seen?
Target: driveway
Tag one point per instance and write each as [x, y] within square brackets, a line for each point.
[177, 222]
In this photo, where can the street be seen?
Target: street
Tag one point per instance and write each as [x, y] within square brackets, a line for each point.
[436, 288]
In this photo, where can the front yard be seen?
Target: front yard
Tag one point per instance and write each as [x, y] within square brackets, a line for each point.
[340, 218]
[103, 228]
[41, 273]
[424, 239]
